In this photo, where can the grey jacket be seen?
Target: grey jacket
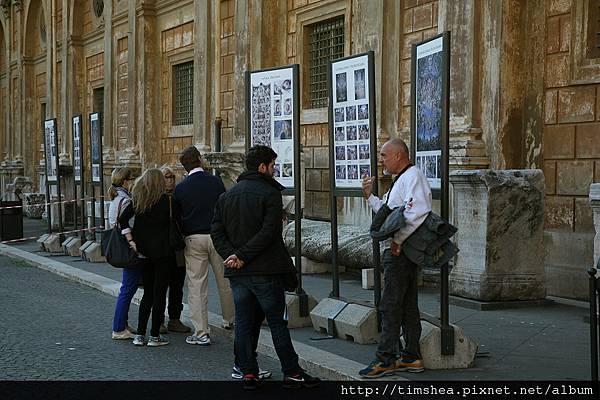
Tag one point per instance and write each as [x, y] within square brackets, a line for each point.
[429, 245]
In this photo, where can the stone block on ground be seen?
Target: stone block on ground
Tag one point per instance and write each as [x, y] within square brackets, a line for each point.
[500, 219]
[292, 302]
[325, 309]
[464, 348]
[72, 247]
[368, 279]
[52, 244]
[83, 248]
[41, 241]
[357, 323]
[93, 253]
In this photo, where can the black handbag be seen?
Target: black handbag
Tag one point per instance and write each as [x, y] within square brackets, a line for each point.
[118, 252]
[176, 241]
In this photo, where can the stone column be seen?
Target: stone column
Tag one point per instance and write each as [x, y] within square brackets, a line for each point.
[203, 80]
[595, 204]
[18, 119]
[108, 137]
[65, 120]
[461, 18]
[500, 219]
[241, 65]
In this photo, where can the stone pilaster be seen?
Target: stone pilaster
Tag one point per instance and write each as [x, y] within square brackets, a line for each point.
[500, 219]
[203, 77]
[130, 156]
[461, 18]
[66, 68]
[595, 204]
[241, 65]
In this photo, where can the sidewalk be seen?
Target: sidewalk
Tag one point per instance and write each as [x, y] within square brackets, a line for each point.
[537, 343]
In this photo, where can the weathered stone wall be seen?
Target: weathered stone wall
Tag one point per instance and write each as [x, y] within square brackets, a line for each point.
[571, 152]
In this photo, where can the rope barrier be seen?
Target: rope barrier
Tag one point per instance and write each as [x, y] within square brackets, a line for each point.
[57, 233]
[46, 204]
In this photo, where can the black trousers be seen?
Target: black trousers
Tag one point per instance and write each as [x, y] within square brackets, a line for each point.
[155, 272]
[399, 308]
[176, 282]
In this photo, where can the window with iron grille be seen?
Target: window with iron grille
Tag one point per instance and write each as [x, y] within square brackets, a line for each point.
[325, 43]
[183, 95]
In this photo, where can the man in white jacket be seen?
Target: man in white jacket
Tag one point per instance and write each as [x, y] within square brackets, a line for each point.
[399, 302]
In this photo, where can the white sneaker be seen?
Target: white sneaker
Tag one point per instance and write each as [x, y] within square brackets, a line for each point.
[124, 334]
[236, 373]
[203, 340]
[155, 341]
[227, 325]
[139, 340]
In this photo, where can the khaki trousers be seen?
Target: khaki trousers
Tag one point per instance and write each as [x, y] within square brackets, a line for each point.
[199, 252]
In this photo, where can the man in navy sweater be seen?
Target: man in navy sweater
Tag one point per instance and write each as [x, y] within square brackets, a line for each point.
[196, 197]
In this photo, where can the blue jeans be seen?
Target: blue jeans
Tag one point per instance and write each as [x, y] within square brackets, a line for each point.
[256, 297]
[129, 285]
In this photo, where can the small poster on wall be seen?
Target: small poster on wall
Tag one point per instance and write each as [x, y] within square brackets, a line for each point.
[428, 110]
[96, 147]
[272, 117]
[352, 120]
[77, 145]
[51, 151]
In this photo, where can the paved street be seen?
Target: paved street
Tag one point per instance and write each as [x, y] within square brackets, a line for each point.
[56, 329]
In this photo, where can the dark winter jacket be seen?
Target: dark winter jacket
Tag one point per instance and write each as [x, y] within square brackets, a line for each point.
[248, 223]
[151, 229]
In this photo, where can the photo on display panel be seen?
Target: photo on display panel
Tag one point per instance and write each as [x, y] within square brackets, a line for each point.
[359, 84]
[340, 152]
[365, 171]
[351, 133]
[277, 110]
[339, 134]
[352, 153]
[341, 87]
[340, 172]
[286, 171]
[363, 152]
[363, 111]
[283, 129]
[277, 171]
[287, 107]
[350, 113]
[352, 171]
[430, 164]
[363, 132]
[339, 114]
[429, 102]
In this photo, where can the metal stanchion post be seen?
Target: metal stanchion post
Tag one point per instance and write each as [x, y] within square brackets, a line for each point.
[594, 323]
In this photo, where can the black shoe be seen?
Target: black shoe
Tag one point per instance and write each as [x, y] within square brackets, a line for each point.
[299, 380]
[251, 382]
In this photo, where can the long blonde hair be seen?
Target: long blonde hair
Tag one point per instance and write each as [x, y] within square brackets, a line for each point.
[147, 189]
[117, 178]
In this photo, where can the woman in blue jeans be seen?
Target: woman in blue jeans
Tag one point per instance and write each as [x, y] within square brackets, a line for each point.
[121, 179]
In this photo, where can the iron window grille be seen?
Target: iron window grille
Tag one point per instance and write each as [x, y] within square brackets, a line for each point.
[183, 95]
[325, 43]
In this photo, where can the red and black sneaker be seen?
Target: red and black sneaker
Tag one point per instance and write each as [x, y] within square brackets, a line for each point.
[251, 382]
[299, 380]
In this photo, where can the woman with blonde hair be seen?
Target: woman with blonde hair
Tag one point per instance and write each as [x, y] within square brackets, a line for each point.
[150, 238]
[120, 197]
[176, 272]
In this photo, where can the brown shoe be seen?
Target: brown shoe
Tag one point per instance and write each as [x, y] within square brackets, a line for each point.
[176, 325]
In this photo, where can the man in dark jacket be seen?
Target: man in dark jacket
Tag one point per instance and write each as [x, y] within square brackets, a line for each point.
[247, 233]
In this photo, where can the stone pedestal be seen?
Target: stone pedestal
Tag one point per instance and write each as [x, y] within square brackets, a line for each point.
[431, 339]
[292, 302]
[595, 204]
[500, 220]
[33, 205]
[52, 244]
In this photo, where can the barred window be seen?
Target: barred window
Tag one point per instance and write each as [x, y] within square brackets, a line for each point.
[183, 95]
[325, 43]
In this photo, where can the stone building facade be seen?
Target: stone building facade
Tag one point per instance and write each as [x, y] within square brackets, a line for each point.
[525, 87]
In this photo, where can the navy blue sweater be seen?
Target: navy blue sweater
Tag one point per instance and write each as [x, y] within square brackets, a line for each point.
[196, 197]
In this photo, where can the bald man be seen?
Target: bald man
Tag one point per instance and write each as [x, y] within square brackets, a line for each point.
[399, 302]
